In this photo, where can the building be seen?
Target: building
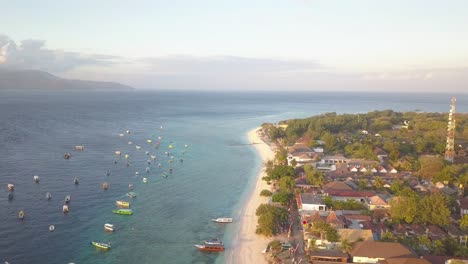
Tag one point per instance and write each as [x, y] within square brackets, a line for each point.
[344, 195]
[404, 261]
[373, 251]
[463, 207]
[310, 202]
[328, 256]
[376, 202]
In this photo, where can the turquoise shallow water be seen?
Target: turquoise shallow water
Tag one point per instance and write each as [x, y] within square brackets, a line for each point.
[171, 214]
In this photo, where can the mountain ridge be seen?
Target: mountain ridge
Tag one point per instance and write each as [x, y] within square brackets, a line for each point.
[13, 79]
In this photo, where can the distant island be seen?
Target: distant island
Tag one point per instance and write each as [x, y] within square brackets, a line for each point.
[40, 80]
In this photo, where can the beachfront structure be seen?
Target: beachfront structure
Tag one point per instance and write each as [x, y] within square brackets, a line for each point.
[310, 202]
[334, 159]
[373, 251]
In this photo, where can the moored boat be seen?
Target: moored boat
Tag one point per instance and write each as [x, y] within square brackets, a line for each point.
[76, 180]
[131, 194]
[79, 148]
[222, 220]
[215, 248]
[65, 208]
[11, 187]
[48, 196]
[123, 211]
[67, 199]
[122, 204]
[36, 178]
[101, 245]
[144, 180]
[109, 227]
[213, 241]
[67, 155]
[105, 185]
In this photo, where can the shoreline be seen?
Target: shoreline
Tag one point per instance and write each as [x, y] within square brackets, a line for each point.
[248, 246]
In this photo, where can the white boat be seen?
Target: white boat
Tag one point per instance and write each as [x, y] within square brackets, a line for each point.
[128, 131]
[48, 196]
[36, 178]
[121, 135]
[117, 153]
[109, 227]
[149, 141]
[137, 147]
[145, 180]
[222, 220]
[11, 187]
[51, 228]
[65, 208]
[79, 148]
[153, 157]
[130, 142]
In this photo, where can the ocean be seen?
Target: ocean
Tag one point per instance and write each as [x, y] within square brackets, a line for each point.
[171, 213]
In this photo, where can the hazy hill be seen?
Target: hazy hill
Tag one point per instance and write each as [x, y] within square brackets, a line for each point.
[40, 80]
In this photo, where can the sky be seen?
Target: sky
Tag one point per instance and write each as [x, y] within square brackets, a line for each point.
[332, 45]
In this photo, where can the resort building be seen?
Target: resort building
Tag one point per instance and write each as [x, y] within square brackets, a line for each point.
[373, 251]
[310, 202]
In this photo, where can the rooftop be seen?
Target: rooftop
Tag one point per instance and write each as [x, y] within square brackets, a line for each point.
[404, 261]
[374, 249]
[309, 198]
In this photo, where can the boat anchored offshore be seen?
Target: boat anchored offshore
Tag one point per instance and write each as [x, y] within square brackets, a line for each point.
[48, 196]
[65, 208]
[131, 194]
[109, 227]
[122, 204]
[101, 245]
[123, 211]
[222, 220]
[36, 178]
[21, 215]
[211, 245]
[67, 199]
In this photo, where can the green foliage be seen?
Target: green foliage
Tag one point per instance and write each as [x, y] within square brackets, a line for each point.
[433, 209]
[438, 248]
[331, 142]
[347, 205]
[330, 232]
[360, 151]
[280, 171]
[265, 193]
[282, 197]
[270, 219]
[313, 176]
[396, 187]
[286, 183]
[379, 183]
[275, 245]
[387, 237]
[430, 166]
[464, 222]
[281, 156]
[404, 207]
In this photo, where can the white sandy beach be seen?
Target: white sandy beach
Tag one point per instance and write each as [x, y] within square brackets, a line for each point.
[248, 246]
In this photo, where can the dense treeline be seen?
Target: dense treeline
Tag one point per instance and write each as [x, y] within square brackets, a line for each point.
[399, 133]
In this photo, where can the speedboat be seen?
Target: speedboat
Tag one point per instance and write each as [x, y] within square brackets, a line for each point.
[109, 227]
[222, 220]
[123, 211]
[36, 178]
[122, 204]
[131, 194]
[67, 199]
[101, 245]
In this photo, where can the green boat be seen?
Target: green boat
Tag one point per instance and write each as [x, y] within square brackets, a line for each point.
[101, 245]
[123, 211]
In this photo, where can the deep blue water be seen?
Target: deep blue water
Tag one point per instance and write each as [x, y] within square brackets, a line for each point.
[170, 214]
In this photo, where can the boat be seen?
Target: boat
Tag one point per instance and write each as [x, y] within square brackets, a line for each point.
[213, 241]
[75, 180]
[11, 187]
[144, 180]
[122, 204]
[128, 131]
[67, 199]
[130, 186]
[147, 169]
[101, 245]
[222, 220]
[117, 153]
[149, 141]
[105, 185]
[65, 208]
[211, 246]
[109, 227]
[138, 147]
[36, 178]
[121, 135]
[147, 152]
[51, 228]
[10, 196]
[79, 148]
[131, 194]
[21, 215]
[137, 173]
[48, 196]
[127, 156]
[130, 142]
[123, 211]
[153, 157]
[67, 155]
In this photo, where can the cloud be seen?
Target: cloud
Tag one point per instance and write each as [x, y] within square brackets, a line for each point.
[33, 54]
[215, 65]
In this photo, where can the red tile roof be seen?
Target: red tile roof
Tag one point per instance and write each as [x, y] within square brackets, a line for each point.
[374, 249]
[343, 193]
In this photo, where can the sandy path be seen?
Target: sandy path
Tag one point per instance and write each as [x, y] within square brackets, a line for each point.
[248, 246]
